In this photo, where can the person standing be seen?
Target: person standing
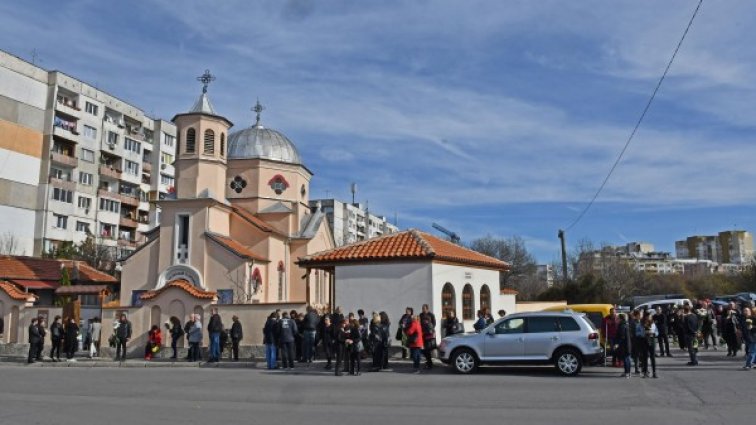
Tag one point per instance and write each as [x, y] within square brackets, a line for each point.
[709, 327]
[34, 341]
[123, 335]
[386, 325]
[56, 337]
[364, 323]
[95, 331]
[72, 343]
[452, 325]
[623, 344]
[214, 329]
[378, 339]
[648, 345]
[176, 332]
[749, 337]
[42, 333]
[327, 340]
[660, 321]
[342, 341]
[690, 328]
[194, 336]
[354, 348]
[730, 329]
[428, 324]
[270, 340]
[481, 323]
[310, 325]
[236, 337]
[154, 340]
[404, 323]
[609, 333]
[636, 329]
[298, 319]
[414, 333]
[287, 330]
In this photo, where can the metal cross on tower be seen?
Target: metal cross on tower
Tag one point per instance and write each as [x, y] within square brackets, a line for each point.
[258, 108]
[206, 79]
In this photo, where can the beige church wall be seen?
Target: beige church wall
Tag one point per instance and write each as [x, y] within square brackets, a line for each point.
[140, 271]
[139, 318]
[253, 317]
[11, 312]
[212, 176]
[459, 276]
[218, 220]
[282, 222]
[250, 235]
[223, 269]
[28, 313]
[277, 252]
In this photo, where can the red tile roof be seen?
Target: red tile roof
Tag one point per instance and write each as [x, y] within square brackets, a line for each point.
[183, 285]
[406, 245]
[253, 220]
[236, 247]
[14, 292]
[36, 284]
[46, 269]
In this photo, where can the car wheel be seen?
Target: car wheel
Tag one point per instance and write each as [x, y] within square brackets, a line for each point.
[568, 362]
[465, 361]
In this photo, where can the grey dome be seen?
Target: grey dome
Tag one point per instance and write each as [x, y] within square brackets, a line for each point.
[263, 143]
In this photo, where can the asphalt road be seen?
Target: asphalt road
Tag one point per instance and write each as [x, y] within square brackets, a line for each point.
[715, 392]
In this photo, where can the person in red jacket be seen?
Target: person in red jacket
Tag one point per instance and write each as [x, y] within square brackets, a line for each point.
[414, 333]
[609, 325]
[154, 339]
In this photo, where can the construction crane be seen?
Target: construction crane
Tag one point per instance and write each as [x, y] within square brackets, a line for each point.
[452, 236]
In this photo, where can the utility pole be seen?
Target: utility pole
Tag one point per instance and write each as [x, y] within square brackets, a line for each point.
[564, 255]
[354, 191]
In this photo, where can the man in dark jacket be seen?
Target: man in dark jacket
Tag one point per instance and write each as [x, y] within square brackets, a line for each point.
[214, 329]
[662, 326]
[236, 336]
[34, 341]
[328, 340]
[623, 343]
[690, 328]
[287, 329]
[56, 337]
[42, 333]
[309, 331]
[123, 335]
[270, 339]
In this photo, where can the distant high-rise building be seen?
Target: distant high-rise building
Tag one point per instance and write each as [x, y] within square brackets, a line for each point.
[728, 247]
[77, 161]
[352, 222]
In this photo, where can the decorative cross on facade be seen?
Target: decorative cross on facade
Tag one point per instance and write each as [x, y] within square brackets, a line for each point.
[182, 254]
[206, 79]
[258, 110]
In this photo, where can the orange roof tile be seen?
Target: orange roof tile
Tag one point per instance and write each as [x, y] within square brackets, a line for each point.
[14, 292]
[236, 247]
[183, 285]
[507, 291]
[406, 245]
[46, 269]
[254, 220]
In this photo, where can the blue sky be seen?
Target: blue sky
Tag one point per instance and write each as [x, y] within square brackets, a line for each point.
[488, 117]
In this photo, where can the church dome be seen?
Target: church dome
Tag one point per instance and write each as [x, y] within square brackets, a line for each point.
[258, 142]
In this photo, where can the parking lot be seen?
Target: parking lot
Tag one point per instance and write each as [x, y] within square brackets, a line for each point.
[715, 392]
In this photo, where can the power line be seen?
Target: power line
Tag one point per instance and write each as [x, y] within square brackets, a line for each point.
[640, 120]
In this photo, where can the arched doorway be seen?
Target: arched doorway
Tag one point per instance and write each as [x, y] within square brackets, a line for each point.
[155, 316]
[448, 299]
[468, 303]
[176, 309]
[485, 299]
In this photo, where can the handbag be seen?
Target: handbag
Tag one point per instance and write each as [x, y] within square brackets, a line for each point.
[360, 347]
[430, 344]
[399, 333]
[458, 328]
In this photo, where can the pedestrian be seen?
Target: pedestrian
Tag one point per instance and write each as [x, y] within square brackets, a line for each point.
[502, 313]
[709, 327]
[648, 345]
[481, 323]
[414, 337]
[95, 332]
[680, 328]
[690, 321]
[660, 321]
[310, 325]
[452, 325]
[623, 344]
[327, 340]
[34, 341]
[72, 342]
[364, 323]
[270, 340]
[194, 337]
[609, 334]
[488, 316]
[154, 340]
[404, 322]
[638, 335]
[386, 325]
[378, 339]
[214, 329]
[287, 330]
[298, 320]
[42, 333]
[236, 335]
[343, 336]
[428, 325]
[56, 337]
[730, 330]
[123, 335]
[176, 332]
[748, 331]
[355, 347]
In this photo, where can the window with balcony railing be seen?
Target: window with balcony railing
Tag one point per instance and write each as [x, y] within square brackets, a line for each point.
[65, 124]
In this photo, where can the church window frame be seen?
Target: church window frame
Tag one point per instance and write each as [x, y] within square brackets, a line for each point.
[223, 145]
[209, 142]
[191, 141]
[468, 302]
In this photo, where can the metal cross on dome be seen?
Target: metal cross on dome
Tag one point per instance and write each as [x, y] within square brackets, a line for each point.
[206, 79]
[258, 108]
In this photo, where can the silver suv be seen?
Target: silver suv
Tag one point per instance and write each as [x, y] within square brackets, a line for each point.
[566, 339]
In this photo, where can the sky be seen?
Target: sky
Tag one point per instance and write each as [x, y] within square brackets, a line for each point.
[492, 118]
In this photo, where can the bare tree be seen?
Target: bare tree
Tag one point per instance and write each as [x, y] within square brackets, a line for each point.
[9, 244]
[522, 273]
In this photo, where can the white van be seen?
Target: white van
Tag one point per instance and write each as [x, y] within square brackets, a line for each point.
[664, 304]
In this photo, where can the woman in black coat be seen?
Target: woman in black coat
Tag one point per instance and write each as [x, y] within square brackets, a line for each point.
[378, 339]
[354, 349]
[386, 325]
[624, 344]
[72, 342]
[451, 325]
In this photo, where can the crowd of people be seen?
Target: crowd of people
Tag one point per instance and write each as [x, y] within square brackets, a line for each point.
[65, 334]
[631, 339]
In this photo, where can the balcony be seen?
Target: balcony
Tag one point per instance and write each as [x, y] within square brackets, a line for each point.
[127, 222]
[108, 194]
[146, 167]
[63, 159]
[127, 242]
[111, 172]
[63, 184]
[68, 107]
[129, 199]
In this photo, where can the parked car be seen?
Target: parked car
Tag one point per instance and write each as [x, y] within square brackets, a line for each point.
[568, 340]
[664, 304]
[594, 312]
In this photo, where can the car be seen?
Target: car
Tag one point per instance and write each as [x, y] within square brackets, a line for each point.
[664, 304]
[568, 340]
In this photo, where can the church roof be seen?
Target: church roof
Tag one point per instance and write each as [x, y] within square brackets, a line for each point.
[203, 106]
[258, 142]
[235, 247]
[184, 286]
[254, 220]
[14, 293]
[407, 245]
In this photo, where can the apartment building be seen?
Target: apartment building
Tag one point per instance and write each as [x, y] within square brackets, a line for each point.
[728, 247]
[352, 222]
[83, 161]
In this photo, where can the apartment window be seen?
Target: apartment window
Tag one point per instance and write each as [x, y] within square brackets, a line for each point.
[109, 205]
[223, 144]
[166, 158]
[82, 227]
[62, 195]
[209, 148]
[132, 145]
[57, 173]
[107, 230]
[132, 168]
[191, 140]
[85, 202]
[112, 139]
[60, 221]
[90, 132]
[86, 178]
[168, 140]
[91, 108]
[87, 155]
[166, 180]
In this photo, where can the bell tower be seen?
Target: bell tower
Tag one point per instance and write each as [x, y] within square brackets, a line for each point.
[202, 149]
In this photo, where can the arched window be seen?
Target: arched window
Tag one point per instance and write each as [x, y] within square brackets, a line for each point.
[281, 281]
[468, 303]
[223, 144]
[485, 299]
[191, 140]
[448, 299]
[209, 142]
